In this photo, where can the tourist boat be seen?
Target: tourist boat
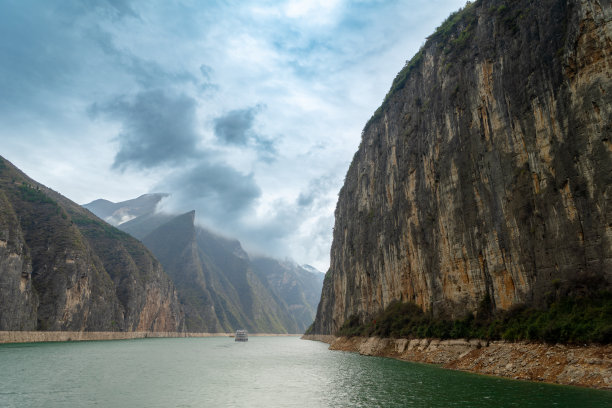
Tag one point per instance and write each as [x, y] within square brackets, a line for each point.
[241, 335]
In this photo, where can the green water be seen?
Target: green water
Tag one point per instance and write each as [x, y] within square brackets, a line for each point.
[265, 372]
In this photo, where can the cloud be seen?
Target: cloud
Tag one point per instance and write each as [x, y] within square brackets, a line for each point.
[156, 128]
[123, 8]
[248, 112]
[236, 127]
[317, 189]
[217, 191]
[206, 71]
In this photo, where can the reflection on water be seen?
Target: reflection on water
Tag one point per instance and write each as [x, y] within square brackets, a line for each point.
[265, 372]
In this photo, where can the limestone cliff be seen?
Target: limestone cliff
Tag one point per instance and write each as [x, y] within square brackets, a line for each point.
[486, 171]
[62, 268]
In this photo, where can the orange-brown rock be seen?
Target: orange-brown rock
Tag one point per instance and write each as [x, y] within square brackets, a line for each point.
[486, 171]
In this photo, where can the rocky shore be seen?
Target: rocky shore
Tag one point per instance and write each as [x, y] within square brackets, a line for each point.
[586, 366]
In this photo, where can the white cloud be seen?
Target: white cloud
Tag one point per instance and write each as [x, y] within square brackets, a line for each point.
[319, 69]
[317, 12]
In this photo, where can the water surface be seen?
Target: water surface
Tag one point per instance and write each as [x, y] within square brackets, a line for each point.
[264, 372]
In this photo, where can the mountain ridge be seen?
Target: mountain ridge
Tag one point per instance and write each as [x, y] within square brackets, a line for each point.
[220, 286]
[65, 269]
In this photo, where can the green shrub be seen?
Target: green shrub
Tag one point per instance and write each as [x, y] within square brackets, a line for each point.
[34, 195]
[585, 319]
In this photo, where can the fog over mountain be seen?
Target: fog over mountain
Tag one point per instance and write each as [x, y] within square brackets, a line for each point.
[248, 112]
[220, 287]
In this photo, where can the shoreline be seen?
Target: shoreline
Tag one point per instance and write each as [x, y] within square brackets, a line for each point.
[10, 337]
[584, 366]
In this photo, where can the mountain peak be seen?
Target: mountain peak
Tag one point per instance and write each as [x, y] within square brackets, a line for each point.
[124, 211]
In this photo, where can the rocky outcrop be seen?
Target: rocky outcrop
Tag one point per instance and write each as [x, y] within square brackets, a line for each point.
[18, 301]
[572, 365]
[486, 171]
[62, 268]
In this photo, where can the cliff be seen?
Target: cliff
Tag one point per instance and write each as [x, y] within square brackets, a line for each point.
[62, 268]
[487, 171]
[297, 287]
[220, 287]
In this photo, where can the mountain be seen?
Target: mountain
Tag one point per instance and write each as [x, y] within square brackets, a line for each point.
[119, 213]
[485, 178]
[63, 268]
[220, 287]
[215, 282]
[299, 287]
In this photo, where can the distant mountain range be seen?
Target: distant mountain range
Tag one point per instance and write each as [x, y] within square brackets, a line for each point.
[120, 213]
[220, 287]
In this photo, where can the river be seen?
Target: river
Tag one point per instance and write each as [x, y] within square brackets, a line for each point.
[263, 372]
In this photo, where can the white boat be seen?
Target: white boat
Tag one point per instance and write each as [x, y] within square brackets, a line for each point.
[241, 335]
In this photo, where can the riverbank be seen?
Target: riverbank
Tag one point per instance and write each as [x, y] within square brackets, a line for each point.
[53, 336]
[588, 366]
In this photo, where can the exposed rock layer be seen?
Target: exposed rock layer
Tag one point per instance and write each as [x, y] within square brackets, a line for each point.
[486, 171]
[62, 268]
[584, 366]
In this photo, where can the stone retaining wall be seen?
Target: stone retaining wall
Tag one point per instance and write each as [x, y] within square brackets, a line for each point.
[48, 336]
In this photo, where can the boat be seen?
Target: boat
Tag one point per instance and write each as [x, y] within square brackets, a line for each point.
[241, 335]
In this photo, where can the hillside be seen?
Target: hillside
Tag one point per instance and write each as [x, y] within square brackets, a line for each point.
[484, 181]
[62, 268]
[220, 287]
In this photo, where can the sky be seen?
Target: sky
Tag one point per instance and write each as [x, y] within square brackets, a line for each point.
[248, 112]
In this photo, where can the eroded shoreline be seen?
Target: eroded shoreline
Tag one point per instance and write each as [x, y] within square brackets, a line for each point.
[587, 366]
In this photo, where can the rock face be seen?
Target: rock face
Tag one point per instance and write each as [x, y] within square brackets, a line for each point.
[298, 287]
[486, 171]
[62, 268]
[220, 287]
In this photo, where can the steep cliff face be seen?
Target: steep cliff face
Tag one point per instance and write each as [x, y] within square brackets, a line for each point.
[62, 268]
[220, 287]
[298, 288]
[18, 301]
[486, 171]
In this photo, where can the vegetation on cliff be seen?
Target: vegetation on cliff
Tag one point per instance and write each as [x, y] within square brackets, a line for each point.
[578, 320]
[62, 268]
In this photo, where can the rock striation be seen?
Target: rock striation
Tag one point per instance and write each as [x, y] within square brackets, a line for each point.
[486, 171]
[64, 269]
